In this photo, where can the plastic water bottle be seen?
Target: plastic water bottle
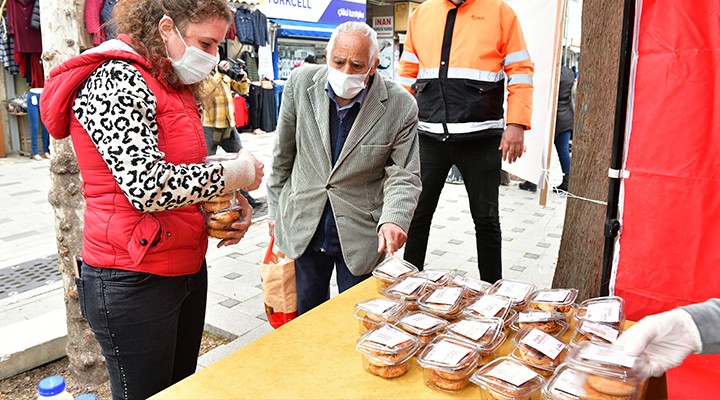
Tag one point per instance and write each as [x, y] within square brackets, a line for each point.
[86, 397]
[53, 387]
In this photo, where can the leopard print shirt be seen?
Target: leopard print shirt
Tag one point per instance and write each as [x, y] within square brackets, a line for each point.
[117, 110]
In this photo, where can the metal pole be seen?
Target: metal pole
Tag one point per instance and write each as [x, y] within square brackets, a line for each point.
[612, 224]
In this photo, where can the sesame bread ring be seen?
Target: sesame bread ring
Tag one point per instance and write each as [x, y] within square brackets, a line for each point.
[448, 384]
[218, 233]
[216, 206]
[219, 225]
[388, 371]
[225, 216]
[611, 386]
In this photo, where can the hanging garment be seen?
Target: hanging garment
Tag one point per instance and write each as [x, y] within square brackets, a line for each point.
[242, 116]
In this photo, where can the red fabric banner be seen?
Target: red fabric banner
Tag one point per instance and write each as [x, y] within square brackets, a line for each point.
[670, 240]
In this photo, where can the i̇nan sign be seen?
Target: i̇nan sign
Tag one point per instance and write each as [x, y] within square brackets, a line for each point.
[383, 26]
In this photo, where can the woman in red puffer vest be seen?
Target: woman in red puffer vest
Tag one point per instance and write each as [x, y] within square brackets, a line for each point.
[130, 107]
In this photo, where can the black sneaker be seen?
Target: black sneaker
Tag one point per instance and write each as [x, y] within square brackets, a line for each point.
[529, 186]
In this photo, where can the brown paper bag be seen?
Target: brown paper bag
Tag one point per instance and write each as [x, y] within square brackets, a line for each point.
[278, 283]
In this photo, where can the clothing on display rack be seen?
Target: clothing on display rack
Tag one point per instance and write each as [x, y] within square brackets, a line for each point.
[262, 107]
[251, 27]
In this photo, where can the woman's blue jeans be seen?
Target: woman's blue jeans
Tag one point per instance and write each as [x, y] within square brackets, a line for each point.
[562, 145]
[33, 110]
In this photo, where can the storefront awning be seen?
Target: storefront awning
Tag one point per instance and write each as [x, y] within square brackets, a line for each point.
[298, 29]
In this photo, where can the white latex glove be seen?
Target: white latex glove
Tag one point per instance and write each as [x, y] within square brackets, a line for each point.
[664, 340]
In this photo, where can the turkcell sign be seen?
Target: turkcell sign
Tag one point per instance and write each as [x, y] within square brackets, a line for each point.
[323, 11]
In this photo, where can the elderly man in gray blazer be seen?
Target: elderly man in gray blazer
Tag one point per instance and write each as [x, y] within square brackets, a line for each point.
[346, 170]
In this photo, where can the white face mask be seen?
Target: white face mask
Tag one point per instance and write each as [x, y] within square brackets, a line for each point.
[195, 64]
[345, 86]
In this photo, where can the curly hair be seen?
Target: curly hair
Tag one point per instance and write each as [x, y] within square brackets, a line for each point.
[139, 20]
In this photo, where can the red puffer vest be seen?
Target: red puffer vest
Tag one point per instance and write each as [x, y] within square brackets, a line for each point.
[117, 235]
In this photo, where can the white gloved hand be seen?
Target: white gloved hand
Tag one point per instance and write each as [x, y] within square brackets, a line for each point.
[662, 341]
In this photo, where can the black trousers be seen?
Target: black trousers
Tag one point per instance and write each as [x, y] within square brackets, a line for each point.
[479, 162]
[149, 327]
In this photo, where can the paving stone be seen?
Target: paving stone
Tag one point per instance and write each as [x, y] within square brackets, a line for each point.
[233, 275]
[229, 303]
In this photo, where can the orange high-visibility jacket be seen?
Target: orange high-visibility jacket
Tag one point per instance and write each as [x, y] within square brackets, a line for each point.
[455, 62]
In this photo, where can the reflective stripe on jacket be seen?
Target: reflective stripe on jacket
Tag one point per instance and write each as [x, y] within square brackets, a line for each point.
[457, 62]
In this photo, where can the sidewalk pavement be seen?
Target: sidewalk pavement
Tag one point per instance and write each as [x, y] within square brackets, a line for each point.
[32, 321]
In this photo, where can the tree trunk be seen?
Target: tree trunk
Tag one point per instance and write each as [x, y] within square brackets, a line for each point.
[581, 249]
[60, 41]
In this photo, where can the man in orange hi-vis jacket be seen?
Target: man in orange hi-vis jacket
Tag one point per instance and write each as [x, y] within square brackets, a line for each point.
[458, 58]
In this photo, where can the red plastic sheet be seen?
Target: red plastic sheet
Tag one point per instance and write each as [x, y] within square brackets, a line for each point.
[670, 241]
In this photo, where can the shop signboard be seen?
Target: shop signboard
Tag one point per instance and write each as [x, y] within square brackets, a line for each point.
[383, 26]
[332, 12]
[402, 14]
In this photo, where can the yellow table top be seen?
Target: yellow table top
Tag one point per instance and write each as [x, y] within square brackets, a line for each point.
[312, 357]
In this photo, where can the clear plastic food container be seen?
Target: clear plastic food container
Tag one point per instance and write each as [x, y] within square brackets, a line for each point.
[408, 290]
[609, 371]
[474, 287]
[594, 331]
[518, 292]
[423, 325]
[539, 350]
[390, 271]
[567, 384]
[387, 350]
[553, 300]
[482, 331]
[436, 277]
[554, 323]
[489, 306]
[508, 379]
[448, 363]
[445, 302]
[373, 312]
[218, 224]
[486, 333]
[609, 310]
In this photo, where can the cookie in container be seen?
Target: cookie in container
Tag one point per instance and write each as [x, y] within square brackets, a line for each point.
[448, 362]
[390, 271]
[373, 312]
[553, 300]
[507, 379]
[387, 350]
[423, 325]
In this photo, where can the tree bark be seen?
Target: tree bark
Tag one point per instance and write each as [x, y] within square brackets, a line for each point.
[581, 249]
[59, 24]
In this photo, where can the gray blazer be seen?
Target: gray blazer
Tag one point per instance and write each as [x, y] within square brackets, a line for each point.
[375, 180]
